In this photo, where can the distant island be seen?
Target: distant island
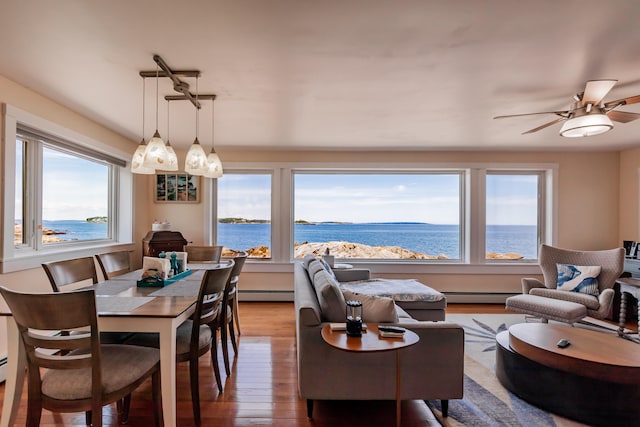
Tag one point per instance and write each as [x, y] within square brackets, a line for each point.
[243, 221]
[98, 219]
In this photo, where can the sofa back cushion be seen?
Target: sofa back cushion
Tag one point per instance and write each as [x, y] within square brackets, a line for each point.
[314, 267]
[330, 297]
[307, 260]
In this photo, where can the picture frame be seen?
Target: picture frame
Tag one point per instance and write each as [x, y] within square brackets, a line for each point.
[177, 188]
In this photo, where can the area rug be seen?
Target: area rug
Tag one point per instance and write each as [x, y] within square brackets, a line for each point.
[486, 402]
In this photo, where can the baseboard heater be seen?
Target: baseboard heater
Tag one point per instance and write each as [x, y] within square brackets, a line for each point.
[452, 297]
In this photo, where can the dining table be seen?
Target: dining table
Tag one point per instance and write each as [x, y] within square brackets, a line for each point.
[122, 306]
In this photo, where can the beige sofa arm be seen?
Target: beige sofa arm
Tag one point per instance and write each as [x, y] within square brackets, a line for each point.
[529, 283]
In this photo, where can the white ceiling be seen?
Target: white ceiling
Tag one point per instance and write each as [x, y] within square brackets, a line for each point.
[335, 74]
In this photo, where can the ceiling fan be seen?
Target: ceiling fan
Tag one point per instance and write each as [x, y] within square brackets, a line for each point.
[588, 114]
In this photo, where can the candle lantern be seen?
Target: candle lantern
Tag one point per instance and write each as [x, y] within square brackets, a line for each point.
[354, 318]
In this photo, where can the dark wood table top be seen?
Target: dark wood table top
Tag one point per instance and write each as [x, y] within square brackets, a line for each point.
[370, 340]
[592, 354]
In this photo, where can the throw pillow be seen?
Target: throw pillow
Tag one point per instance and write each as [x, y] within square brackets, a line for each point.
[328, 268]
[330, 297]
[374, 309]
[579, 278]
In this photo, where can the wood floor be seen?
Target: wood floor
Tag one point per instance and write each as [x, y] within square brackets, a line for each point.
[262, 387]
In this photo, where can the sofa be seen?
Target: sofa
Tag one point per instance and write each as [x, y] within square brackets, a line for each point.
[431, 369]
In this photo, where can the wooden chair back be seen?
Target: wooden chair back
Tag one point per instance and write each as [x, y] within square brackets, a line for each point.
[64, 273]
[114, 264]
[210, 297]
[203, 253]
[58, 311]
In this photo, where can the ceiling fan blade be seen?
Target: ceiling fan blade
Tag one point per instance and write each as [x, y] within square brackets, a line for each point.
[596, 90]
[559, 113]
[623, 101]
[623, 116]
[546, 125]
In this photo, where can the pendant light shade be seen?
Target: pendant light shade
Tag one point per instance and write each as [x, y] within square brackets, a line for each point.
[586, 125]
[137, 161]
[196, 161]
[214, 165]
[172, 158]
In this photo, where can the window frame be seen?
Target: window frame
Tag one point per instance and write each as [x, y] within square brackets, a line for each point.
[472, 224]
[35, 252]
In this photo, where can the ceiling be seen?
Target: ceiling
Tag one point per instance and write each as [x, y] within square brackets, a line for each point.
[332, 74]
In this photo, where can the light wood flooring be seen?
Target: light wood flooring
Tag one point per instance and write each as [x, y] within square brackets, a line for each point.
[262, 387]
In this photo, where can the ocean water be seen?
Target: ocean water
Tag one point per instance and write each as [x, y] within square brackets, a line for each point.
[431, 239]
[78, 229]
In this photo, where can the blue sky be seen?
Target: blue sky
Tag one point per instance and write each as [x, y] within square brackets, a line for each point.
[380, 198]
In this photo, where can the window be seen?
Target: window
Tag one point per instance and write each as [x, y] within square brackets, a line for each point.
[244, 213]
[63, 196]
[513, 215]
[368, 215]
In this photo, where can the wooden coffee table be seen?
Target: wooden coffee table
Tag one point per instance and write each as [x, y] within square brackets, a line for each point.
[596, 380]
[372, 342]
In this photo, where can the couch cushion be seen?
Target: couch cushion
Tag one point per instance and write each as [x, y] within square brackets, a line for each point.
[579, 278]
[589, 301]
[307, 260]
[330, 297]
[374, 309]
[327, 267]
[314, 267]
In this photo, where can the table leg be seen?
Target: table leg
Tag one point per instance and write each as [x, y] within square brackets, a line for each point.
[16, 366]
[168, 371]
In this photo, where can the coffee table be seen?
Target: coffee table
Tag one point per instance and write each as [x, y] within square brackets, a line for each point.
[372, 342]
[596, 380]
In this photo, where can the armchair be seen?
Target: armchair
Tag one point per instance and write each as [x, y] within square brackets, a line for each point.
[545, 300]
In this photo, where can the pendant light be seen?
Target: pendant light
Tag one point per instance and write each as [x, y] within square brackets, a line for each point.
[214, 165]
[172, 159]
[196, 161]
[156, 155]
[138, 157]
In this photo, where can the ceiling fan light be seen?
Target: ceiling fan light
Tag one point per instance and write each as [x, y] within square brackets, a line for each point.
[137, 161]
[214, 165]
[196, 161]
[586, 125]
[156, 156]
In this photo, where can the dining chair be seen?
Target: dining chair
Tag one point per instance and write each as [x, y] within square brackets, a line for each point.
[114, 264]
[71, 271]
[229, 310]
[64, 274]
[203, 253]
[75, 372]
[199, 334]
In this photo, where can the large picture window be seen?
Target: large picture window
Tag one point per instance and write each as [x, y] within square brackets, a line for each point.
[378, 215]
[64, 194]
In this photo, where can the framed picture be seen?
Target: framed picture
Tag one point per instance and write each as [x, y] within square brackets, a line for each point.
[177, 188]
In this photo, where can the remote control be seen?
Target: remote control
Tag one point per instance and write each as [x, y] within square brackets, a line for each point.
[564, 343]
[391, 329]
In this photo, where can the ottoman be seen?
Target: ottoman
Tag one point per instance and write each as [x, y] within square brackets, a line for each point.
[547, 308]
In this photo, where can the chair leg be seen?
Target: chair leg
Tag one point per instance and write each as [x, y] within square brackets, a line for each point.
[123, 408]
[214, 359]
[156, 393]
[236, 315]
[87, 418]
[445, 407]
[34, 413]
[225, 347]
[232, 335]
[96, 417]
[195, 389]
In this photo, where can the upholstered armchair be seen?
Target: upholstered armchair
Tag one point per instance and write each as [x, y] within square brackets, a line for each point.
[548, 300]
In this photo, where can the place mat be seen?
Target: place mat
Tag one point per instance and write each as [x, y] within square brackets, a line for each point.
[106, 304]
[112, 287]
[181, 288]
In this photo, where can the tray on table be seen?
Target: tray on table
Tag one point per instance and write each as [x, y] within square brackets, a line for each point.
[152, 282]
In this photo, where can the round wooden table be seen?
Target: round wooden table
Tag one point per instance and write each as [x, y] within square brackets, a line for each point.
[371, 341]
[595, 380]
